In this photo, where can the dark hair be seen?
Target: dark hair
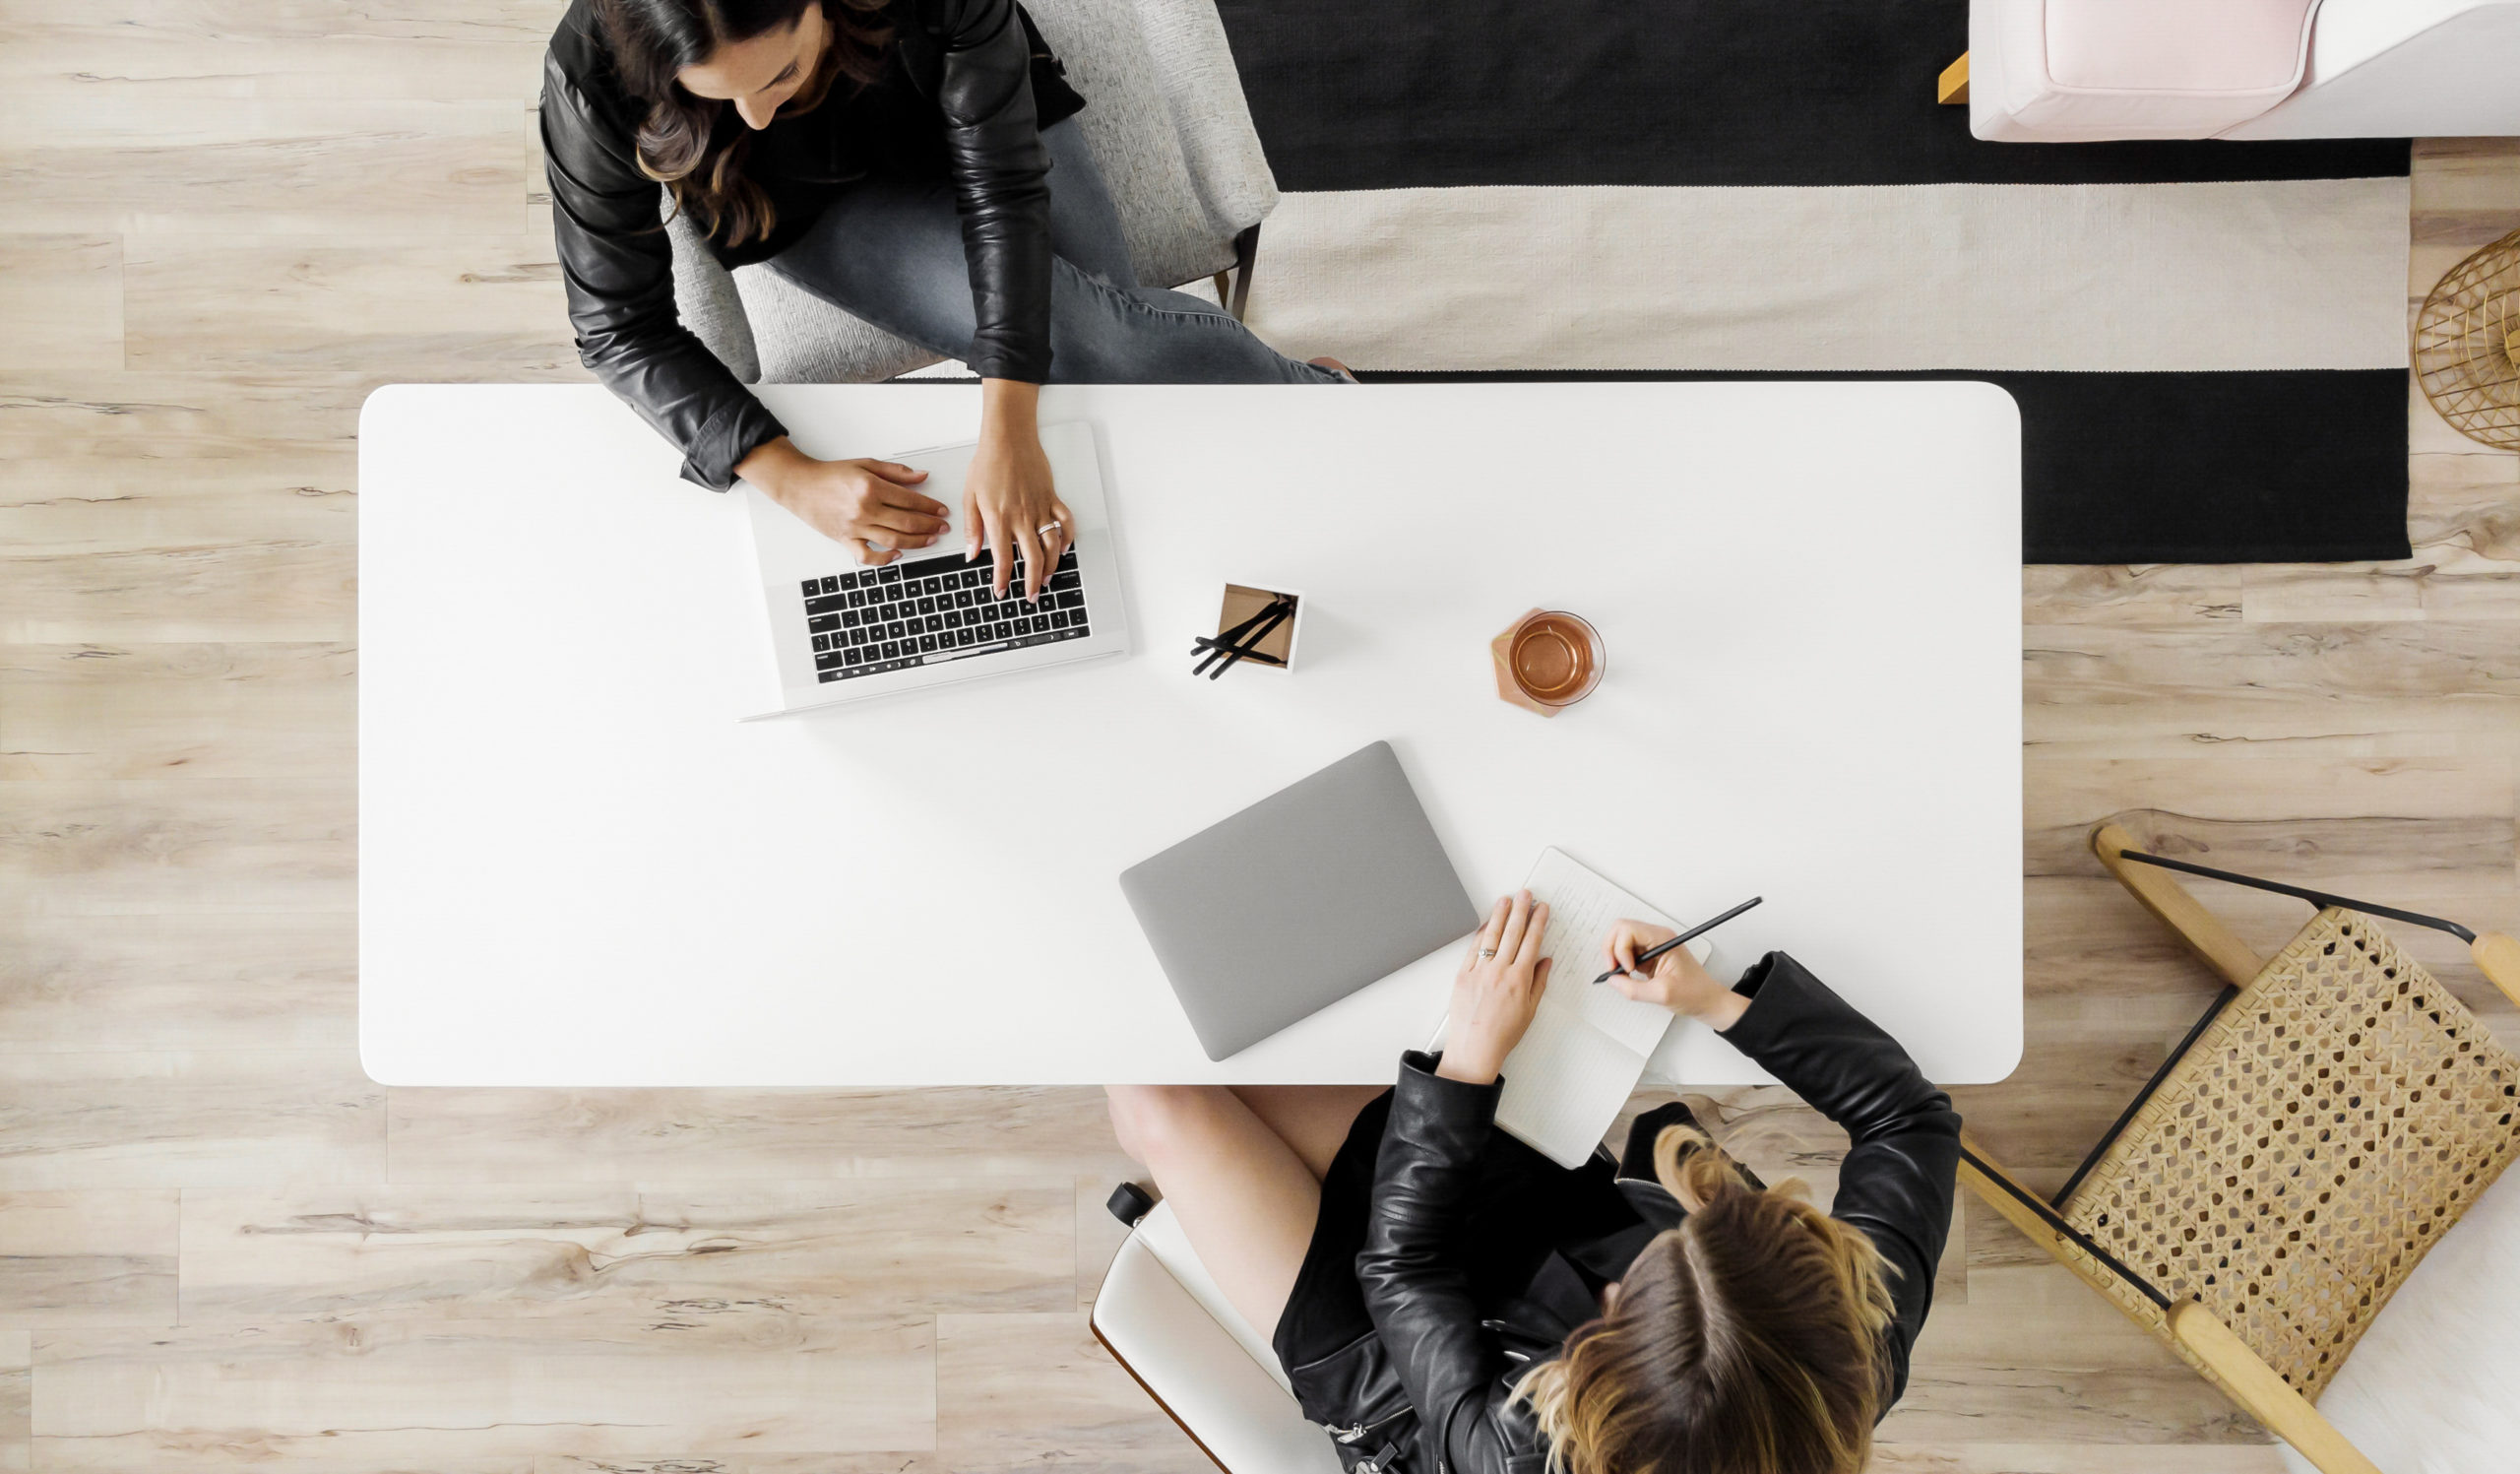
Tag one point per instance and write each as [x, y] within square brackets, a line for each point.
[696, 146]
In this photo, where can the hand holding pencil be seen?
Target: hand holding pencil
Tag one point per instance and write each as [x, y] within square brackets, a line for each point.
[1672, 976]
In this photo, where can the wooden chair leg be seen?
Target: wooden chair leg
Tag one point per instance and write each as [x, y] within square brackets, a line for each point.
[2498, 958]
[2264, 1394]
[1246, 252]
[1953, 86]
[2170, 901]
[1981, 1175]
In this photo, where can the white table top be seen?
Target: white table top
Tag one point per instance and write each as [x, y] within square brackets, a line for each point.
[578, 869]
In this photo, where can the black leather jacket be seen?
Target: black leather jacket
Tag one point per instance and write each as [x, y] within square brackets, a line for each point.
[1455, 1359]
[958, 101]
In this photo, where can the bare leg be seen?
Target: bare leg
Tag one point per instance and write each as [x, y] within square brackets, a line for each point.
[1312, 1118]
[1245, 1199]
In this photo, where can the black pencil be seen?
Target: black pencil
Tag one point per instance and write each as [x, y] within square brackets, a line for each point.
[1692, 934]
[1225, 639]
[1252, 641]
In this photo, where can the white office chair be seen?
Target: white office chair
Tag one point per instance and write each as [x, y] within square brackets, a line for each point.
[1164, 1319]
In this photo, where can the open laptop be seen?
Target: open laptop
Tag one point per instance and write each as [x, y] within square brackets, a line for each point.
[841, 632]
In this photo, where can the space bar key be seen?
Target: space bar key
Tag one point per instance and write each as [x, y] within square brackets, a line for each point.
[942, 656]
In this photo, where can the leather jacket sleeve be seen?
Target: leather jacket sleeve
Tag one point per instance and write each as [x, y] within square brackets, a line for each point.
[1457, 1374]
[617, 266]
[1001, 172]
[1900, 1170]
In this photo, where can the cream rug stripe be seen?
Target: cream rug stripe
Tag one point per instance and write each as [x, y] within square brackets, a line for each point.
[2107, 278]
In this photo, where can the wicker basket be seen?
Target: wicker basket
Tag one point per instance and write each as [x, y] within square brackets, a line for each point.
[2466, 344]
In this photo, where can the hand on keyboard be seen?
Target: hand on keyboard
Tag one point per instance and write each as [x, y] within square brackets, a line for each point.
[871, 507]
[1010, 507]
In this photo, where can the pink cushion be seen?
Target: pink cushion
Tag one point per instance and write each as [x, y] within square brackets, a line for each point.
[2065, 70]
[2175, 45]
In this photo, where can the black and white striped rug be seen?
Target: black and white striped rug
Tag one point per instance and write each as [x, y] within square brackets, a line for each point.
[2208, 340]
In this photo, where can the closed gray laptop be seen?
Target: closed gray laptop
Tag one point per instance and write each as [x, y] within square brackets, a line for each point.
[1300, 900]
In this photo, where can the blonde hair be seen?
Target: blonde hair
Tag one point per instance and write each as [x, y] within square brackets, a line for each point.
[1745, 1341]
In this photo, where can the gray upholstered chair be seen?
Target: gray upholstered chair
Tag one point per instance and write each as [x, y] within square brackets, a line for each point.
[1170, 130]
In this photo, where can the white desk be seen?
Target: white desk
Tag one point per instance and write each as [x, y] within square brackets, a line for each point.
[576, 869]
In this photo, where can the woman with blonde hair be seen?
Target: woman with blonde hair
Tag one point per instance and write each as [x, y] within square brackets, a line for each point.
[1447, 1301]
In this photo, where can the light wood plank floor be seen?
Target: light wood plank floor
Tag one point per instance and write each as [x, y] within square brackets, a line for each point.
[221, 1247]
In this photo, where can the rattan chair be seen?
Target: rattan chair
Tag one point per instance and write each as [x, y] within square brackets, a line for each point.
[2333, 1112]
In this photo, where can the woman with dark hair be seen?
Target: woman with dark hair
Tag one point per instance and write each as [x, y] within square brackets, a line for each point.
[911, 162]
[1446, 1298]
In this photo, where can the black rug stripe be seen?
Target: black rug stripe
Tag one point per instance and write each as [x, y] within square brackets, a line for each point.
[1433, 93]
[2282, 466]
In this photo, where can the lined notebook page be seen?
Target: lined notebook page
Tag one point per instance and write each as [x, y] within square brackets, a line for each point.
[1587, 1046]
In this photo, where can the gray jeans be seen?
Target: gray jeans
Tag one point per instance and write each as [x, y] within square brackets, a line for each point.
[891, 251]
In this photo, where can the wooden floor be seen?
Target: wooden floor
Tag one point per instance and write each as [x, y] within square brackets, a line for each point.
[221, 1247]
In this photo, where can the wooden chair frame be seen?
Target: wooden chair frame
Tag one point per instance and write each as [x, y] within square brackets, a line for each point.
[2195, 1332]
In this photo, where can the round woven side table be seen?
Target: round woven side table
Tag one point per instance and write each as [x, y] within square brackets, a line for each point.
[2466, 344]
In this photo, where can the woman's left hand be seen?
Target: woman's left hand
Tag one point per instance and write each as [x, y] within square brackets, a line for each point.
[1497, 991]
[1010, 505]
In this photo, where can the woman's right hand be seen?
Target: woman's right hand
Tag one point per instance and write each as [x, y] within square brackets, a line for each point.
[1674, 980]
[871, 507]
[1498, 991]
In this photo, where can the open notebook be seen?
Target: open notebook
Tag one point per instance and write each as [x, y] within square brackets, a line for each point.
[1587, 1045]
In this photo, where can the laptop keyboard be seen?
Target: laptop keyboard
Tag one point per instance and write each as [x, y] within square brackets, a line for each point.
[870, 621]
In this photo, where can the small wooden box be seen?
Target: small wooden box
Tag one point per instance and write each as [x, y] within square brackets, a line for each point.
[1241, 601]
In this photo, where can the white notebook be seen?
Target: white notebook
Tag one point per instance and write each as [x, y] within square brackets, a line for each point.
[1587, 1045]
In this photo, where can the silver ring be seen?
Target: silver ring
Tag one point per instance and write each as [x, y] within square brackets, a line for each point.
[1047, 526]
[1486, 952]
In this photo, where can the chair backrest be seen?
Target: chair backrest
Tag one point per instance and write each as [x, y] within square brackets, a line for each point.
[1169, 125]
[1162, 1317]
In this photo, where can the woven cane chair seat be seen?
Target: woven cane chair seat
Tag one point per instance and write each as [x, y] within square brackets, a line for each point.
[2294, 1165]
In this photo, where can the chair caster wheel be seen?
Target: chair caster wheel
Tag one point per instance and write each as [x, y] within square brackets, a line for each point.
[1129, 1202]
